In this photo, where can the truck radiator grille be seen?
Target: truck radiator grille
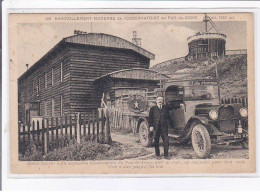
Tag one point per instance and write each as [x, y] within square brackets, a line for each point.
[227, 122]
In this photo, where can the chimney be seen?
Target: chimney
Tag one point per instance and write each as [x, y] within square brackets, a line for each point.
[78, 32]
[135, 40]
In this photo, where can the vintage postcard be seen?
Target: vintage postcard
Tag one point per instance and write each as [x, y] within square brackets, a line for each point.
[132, 93]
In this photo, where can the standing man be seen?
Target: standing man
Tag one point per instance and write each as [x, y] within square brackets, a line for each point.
[159, 117]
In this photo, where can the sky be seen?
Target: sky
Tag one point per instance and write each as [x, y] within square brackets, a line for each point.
[167, 40]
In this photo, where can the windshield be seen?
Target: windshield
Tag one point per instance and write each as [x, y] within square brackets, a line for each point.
[201, 92]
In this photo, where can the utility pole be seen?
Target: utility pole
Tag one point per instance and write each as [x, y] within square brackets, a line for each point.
[206, 22]
[217, 77]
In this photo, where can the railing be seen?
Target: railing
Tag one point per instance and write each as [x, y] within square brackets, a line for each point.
[236, 52]
[243, 101]
[206, 36]
[58, 132]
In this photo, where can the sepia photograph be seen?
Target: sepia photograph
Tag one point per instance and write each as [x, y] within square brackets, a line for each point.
[132, 93]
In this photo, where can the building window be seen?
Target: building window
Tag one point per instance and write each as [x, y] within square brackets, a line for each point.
[45, 80]
[61, 72]
[52, 77]
[52, 107]
[61, 105]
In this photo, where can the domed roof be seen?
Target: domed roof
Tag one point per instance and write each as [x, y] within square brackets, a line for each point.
[106, 40]
[206, 35]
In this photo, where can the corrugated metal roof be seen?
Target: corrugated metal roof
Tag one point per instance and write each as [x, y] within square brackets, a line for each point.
[106, 40]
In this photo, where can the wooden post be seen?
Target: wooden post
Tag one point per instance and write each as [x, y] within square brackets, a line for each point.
[93, 124]
[33, 131]
[38, 132]
[80, 124]
[23, 147]
[97, 128]
[52, 132]
[61, 131]
[43, 139]
[102, 125]
[29, 133]
[88, 125]
[120, 118]
[46, 138]
[19, 138]
[108, 139]
[66, 130]
[116, 119]
[57, 133]
[70, 126]
[78, 128]
[84, 124]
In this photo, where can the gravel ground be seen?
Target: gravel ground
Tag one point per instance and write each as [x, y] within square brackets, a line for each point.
[132, 149]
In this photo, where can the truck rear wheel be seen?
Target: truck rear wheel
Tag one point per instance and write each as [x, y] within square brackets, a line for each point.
[201, 142]
[143, 134]
[244, 143]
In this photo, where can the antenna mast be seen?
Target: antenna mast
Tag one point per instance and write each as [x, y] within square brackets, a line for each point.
[206, 20]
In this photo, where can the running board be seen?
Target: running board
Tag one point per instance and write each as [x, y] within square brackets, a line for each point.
[174, 136]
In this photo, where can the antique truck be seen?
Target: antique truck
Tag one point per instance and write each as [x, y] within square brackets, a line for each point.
[198, 113]
[199, 116]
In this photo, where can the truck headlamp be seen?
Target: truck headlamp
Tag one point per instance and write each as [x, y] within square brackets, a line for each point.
[243, 112]
[213, 114]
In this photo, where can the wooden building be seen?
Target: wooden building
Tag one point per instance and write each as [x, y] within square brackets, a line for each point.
[129, 82]
[129, 94]
[206, 45]
[62, 81]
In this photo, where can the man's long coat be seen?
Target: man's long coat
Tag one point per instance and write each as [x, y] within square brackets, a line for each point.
[162, 116]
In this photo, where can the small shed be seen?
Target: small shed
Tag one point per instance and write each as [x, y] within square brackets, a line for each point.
[133, 81]
[129, 93]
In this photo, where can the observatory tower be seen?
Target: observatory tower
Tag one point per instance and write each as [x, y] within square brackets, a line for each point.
[208, 43]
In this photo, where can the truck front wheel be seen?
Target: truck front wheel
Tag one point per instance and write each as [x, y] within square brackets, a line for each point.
[143, 134]
[201, 142]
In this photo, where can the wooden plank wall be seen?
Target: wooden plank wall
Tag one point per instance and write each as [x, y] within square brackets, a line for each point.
[212, 46]
[113, 84]
[89, 63]
[28, 86]
[82, 65]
